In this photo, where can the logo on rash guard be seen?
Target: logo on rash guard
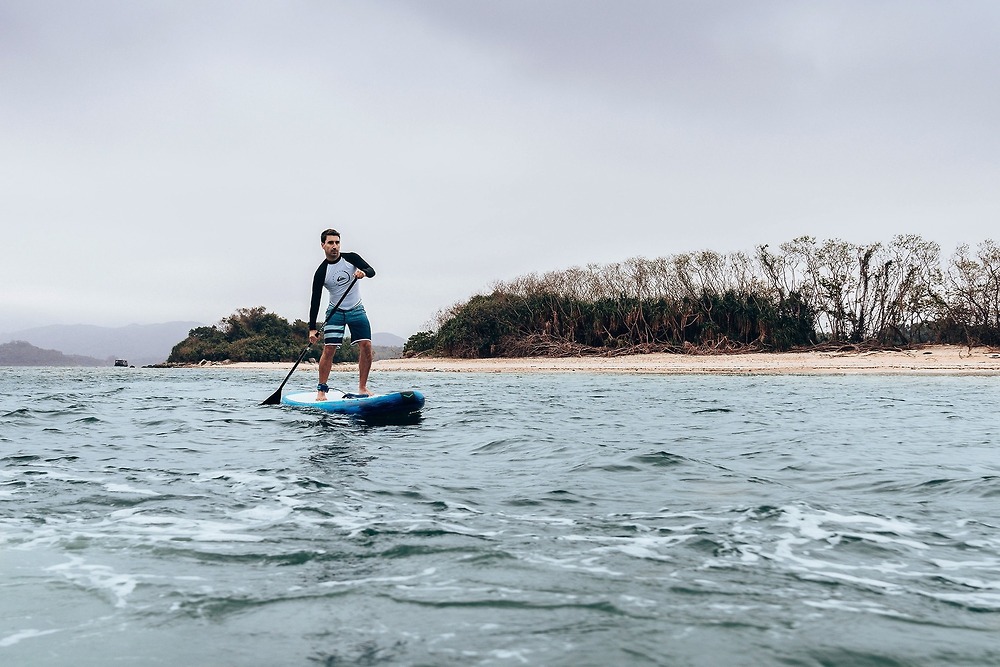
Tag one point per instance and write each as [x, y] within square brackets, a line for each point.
[342, 278]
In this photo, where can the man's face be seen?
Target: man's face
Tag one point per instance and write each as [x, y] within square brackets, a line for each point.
[331, 246]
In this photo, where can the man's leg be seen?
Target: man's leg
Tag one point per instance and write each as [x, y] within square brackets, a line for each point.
[364, 365]
[325, 364]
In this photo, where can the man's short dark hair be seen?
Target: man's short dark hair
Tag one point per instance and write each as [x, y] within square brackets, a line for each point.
[328, 232]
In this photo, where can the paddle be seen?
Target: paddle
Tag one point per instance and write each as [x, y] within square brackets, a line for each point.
[275, 398]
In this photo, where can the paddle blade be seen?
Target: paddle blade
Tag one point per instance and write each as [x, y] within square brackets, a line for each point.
[274, 398]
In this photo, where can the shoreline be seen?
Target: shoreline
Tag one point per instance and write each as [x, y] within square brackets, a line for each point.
[928, 360]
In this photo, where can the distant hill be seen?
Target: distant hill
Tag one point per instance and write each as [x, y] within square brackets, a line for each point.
[21, 353]
[384, 339]
[139, 344]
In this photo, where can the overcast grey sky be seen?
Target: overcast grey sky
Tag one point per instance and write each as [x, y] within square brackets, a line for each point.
[176, 160]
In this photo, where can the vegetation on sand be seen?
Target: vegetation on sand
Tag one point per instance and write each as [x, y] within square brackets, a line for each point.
[806, 293]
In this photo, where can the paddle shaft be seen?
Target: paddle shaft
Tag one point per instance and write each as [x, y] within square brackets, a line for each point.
[275, 398]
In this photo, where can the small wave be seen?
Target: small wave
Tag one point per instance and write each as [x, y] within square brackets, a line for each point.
[660, 459]
[88, 420]
[980, 601]
[608, 467]
[985, 486]
[21, 458]
[499, 445]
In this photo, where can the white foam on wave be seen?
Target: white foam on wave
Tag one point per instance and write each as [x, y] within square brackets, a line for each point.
[132, 525]
[867, 582]
[810, 548]
[62, 476]
[100, 577]
[812, 524]
[167, 528]
[295, 506]
[535, 518]
[459, 507]
[347, 518]
[26, 534]
[416, 525]
[858, 606]
[520, 655]
[648, 547]
[652, 541]
[639, 602]
[573, 563]
[240, 479]
[405, 578]
[351, 518]
[264, 514]
[832, 528]
[125, 488]
[18, 637]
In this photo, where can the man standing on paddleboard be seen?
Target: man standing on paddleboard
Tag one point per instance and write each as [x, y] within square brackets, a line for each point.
[339, 274]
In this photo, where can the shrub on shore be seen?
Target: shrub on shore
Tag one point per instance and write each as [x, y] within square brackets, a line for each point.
[249, 334]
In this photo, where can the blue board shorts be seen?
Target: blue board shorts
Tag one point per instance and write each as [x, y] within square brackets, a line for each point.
[356, 319]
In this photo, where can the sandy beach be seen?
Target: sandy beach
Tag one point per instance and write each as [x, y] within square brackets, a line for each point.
[931, 360]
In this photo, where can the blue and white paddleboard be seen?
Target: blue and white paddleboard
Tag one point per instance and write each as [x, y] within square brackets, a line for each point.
[397, 403]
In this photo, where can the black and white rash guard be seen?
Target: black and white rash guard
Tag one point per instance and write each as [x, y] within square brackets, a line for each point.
[335, 277]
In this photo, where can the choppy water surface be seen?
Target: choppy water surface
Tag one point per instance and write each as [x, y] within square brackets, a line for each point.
[162, 517]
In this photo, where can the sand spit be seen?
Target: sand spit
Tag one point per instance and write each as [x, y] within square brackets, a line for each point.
[931, 360]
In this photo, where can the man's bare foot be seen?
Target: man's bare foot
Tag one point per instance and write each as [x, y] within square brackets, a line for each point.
[320, 396]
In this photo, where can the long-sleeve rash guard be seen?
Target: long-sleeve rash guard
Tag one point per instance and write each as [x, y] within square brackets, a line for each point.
[335, 277]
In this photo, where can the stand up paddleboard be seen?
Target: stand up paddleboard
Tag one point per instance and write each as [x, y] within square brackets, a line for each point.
[394, 404]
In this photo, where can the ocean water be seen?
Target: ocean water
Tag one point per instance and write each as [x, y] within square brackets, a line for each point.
[163, 517]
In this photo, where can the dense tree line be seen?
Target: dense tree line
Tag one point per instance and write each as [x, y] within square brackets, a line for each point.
[804, 293]
[251, 334]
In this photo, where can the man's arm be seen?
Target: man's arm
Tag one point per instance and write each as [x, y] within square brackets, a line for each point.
[317, 294]
[355, 259]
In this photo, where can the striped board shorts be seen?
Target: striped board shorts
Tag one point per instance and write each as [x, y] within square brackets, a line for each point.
[354, 319]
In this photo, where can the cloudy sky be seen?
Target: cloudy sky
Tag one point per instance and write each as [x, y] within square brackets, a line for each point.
[176, 160]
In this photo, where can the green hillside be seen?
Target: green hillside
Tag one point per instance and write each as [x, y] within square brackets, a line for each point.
[21, 353]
